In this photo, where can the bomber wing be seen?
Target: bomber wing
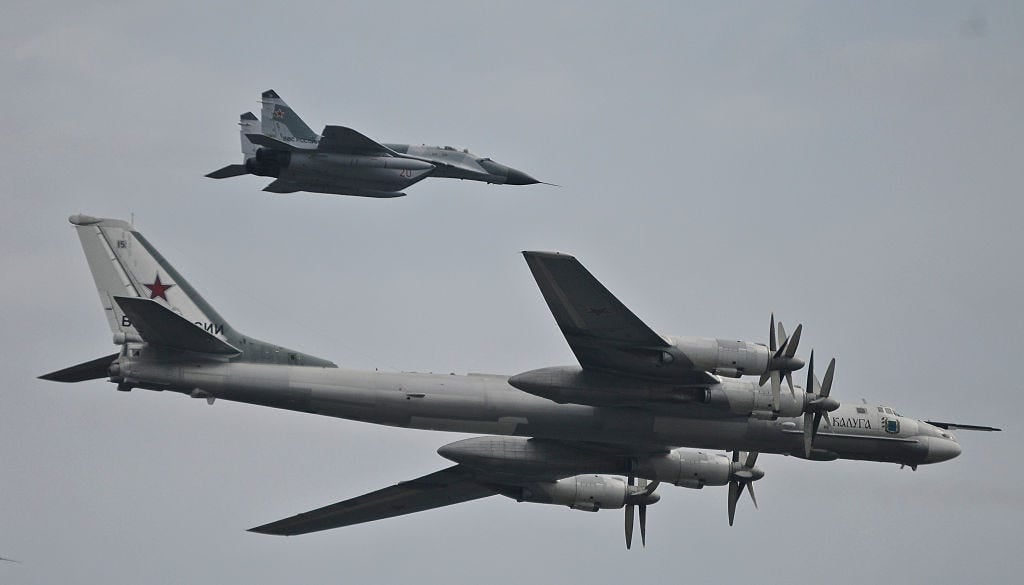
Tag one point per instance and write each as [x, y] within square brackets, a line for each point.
[344, 140]
[602, 332]
[453, 485]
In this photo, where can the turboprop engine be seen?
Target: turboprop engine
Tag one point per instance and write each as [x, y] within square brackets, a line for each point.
[585, 492]
[523, 469]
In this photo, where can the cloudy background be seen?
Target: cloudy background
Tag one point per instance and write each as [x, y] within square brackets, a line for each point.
[853, 166]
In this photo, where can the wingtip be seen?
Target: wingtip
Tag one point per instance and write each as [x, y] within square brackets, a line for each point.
[82, 219]
[545, 254]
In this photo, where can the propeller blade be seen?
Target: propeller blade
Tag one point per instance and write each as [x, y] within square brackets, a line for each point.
[793, 342]
[750, 489]
[643, 525]
[629, 525]
[809, 428]
[782, 337]
[826, 384]
[771, 337]
[776, 390]
[751, 460]
[814, 426]
[810, 374]
[652, 486]
[734, 494]
[789, 380]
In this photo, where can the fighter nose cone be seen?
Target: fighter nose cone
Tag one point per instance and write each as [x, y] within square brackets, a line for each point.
[519, 178]
[941, 450]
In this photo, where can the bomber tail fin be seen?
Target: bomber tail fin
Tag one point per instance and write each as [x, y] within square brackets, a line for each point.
[147, 300]
[279, 121]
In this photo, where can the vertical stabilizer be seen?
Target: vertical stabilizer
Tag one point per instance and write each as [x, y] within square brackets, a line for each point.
[124, 264]
[147, 301]
[248, 124]
[280, 122]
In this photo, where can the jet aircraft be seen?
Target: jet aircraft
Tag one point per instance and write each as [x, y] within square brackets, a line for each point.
[603, 434]
[344, 162]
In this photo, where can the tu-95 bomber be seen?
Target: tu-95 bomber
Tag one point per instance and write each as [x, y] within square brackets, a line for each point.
[640, 409]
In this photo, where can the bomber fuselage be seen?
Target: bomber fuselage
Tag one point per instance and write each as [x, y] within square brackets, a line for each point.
[487, 404]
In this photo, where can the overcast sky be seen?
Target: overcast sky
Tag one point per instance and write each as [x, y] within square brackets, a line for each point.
[854, 166]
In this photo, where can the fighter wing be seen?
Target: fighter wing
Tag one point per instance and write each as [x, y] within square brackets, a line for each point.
[602, 332]
[268, 142]
[344, 140]
[442, 488]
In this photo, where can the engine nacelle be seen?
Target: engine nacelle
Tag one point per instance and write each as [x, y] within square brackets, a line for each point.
[722, 356]
[573, 384]
[582, 492]
[691, 469]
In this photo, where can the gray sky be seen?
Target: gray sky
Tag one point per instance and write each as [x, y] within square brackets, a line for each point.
[853, 166]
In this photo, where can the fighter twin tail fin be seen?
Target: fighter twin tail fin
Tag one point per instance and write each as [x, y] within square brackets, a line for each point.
[279, 121]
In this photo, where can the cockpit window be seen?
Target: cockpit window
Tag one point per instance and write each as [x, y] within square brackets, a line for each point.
[888, 410]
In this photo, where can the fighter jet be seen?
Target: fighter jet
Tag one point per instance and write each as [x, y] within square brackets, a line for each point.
[342, 161]
[639, 410]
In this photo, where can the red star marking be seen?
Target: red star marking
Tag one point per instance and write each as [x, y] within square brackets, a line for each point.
[279, 113]
[157, 289]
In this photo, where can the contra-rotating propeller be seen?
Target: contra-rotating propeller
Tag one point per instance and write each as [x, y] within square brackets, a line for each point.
[742, 476]
[782, 361]
[817, 402]
[640, 495]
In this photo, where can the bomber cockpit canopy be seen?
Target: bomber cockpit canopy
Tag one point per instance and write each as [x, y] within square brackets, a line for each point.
[888, 410]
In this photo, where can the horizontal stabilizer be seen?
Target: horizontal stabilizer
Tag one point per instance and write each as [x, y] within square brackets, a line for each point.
[90, 370]
[958, 426]
[228, 171]
[344, 140]
[264, 140]
[280, 186]
[158, 325]
[442, 488]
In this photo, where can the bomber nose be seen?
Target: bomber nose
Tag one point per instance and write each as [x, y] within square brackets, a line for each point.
[941, 450]
[519, 178]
